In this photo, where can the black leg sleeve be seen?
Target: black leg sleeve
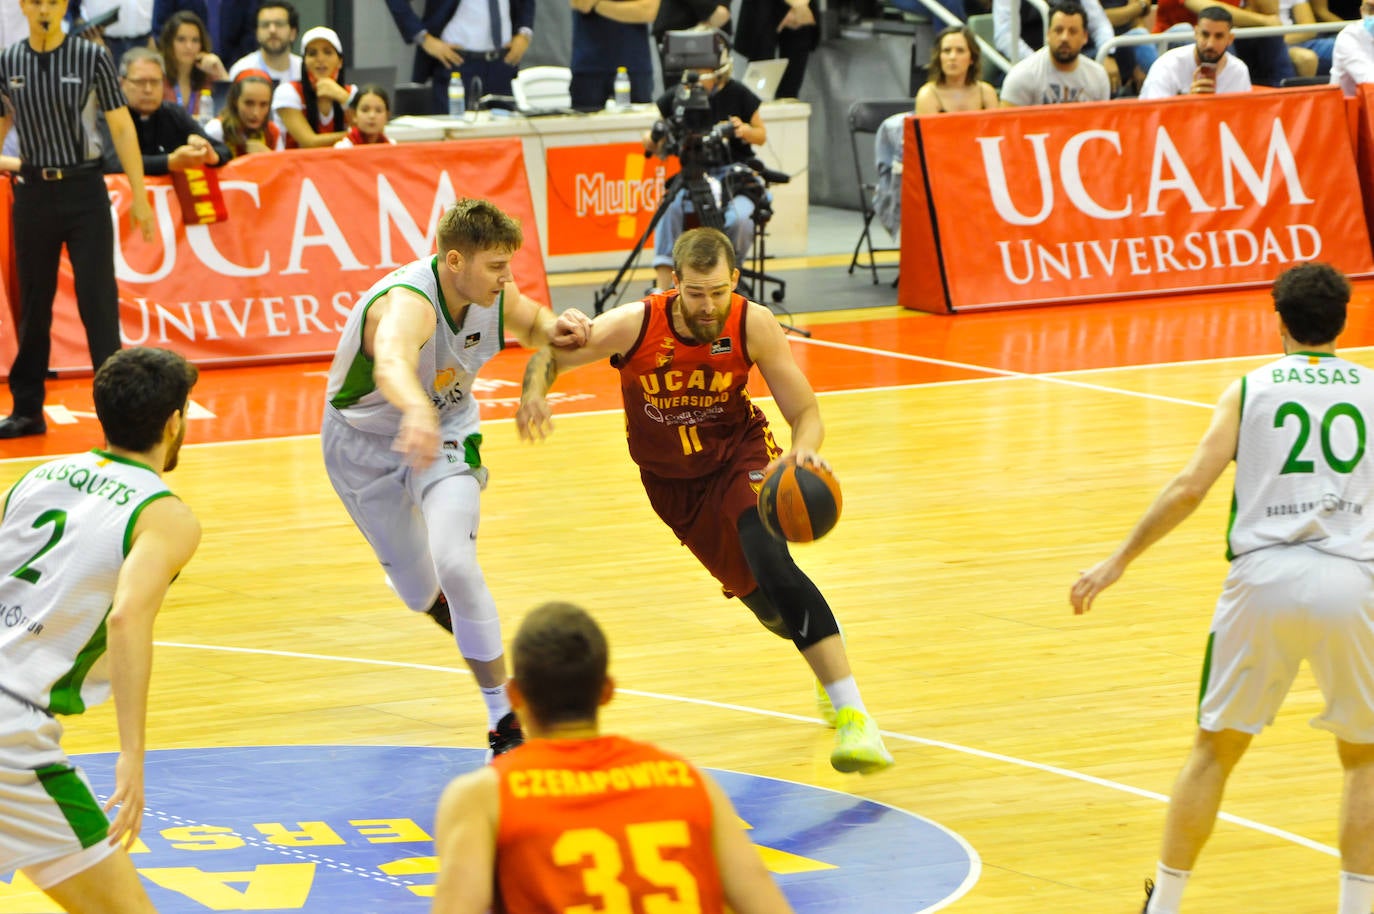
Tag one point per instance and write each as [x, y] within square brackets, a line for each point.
[785, 586]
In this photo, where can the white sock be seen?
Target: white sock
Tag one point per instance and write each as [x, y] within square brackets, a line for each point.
[1168, 891]
[498, 705]
[1357, 893]
[844, 693]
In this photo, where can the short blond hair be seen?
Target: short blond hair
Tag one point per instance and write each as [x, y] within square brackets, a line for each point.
[472, 226]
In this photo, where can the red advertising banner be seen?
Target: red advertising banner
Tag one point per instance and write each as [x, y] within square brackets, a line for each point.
[1130, 198]
[308, 232]
[601, 197]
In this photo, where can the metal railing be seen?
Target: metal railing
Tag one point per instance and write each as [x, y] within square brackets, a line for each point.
[990, 52]
[1183, 38]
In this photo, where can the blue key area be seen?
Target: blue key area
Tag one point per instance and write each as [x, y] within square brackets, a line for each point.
[324, 829]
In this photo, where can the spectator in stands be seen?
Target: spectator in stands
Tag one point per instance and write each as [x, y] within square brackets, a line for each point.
[207, 11]
[1205, 67]
[169, 139]
[449, 36]
[371, 110]
[1059, 72]
[676, 15]
[1352, 59]
[278, 24]
[188, 60]
[1097, 30]
[314, 109]
[787, 28]
[1132, 17]
[1303, 12]
[953, 83]
[237, 28]
[245, 125]
[1271, 60]
[731, 102]
[607, 34]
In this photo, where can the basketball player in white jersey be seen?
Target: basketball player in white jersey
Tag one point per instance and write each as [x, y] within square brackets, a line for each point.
[400, 433]
[1301, 584]
[88, 547]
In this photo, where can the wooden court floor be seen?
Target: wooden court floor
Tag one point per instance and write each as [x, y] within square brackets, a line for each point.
[985, 460]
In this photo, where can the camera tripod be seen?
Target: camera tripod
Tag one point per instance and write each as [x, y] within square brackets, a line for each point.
[692, 178]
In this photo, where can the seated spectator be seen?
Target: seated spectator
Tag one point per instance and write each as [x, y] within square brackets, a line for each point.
[730, 102]
[1059, 72]
[952, 83]
[371, 110]
[188, 60]
[313, 109]
[1303, 12]
[1097, 25]
[277, 27]
[1352, 59]
[169, 139]
[237, 36]
[1132, 17]
[245, 125]
[1270, 60]
[1205, 67]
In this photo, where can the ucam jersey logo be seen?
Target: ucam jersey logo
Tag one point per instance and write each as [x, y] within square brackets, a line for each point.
[328, 829]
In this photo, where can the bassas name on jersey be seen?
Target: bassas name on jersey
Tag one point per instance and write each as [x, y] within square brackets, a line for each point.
[92, 483]
[1316, 375]
[560, 782]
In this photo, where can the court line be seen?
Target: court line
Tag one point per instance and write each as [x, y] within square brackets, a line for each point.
[995, 374]
[1069, 773]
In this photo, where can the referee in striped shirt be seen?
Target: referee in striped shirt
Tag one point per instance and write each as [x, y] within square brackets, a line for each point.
[51, 86]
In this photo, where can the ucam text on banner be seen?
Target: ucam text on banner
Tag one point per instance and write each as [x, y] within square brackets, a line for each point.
[308, 232]
[1055, 204]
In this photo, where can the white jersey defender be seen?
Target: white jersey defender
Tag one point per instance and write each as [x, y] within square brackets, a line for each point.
[73, 520]
[1303, 474]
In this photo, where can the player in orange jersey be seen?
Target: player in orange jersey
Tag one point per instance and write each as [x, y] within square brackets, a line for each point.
[703, 449]
[574, 820]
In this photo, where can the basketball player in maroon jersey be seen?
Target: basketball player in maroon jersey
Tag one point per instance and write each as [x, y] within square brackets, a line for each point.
[703, 449]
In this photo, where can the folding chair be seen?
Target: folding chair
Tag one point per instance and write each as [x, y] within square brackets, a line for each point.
[864, 118]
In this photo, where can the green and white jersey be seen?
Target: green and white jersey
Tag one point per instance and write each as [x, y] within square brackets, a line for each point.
[67, 527]
[1303, 469]
[448, 363]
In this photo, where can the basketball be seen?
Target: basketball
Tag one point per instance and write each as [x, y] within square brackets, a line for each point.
[799, 503]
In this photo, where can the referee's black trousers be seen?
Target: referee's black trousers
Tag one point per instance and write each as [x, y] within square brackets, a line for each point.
[47, 214]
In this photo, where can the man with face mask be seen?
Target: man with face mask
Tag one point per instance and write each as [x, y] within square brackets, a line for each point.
[1205, 67]
[1352, 62]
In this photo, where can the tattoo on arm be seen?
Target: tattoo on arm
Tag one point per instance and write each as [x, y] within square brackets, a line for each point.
[541, 360]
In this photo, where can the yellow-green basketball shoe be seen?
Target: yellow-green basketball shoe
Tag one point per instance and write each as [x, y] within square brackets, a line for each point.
[823, 706]
[858, 744]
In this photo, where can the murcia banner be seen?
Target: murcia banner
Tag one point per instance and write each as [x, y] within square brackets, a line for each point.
[1055, 204]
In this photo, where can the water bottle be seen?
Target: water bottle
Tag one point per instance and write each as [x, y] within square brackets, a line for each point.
[457, 97]
[622, 88]
[205, 108]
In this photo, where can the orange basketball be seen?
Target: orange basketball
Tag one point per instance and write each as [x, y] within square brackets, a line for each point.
[799, 503]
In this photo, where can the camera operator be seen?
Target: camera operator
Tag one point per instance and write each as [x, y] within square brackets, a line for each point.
[735, 111]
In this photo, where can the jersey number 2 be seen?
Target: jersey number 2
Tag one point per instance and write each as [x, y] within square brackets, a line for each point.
[599, 855]
[58, 519]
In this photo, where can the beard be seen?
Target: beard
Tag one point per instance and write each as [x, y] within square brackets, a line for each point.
[276, 45]
[1209, 56]
[1064, 55]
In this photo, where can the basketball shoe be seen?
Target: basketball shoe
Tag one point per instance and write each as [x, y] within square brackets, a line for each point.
[1149, 890]
[505, 737]
[858, 744]
[823, 706]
